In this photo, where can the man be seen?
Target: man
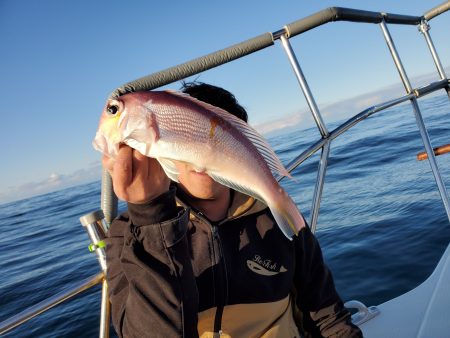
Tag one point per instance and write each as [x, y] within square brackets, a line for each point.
[199, 259]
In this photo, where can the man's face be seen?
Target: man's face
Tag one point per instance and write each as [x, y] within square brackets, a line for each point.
[198, 184]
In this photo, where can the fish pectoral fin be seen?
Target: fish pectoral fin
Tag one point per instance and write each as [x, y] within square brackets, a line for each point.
[235, 186]
[143, 148]
[169, 168]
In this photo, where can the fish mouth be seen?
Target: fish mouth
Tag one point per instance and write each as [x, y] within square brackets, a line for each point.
[101, 144]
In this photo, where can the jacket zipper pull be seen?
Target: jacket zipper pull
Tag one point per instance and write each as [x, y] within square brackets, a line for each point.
[215, 231]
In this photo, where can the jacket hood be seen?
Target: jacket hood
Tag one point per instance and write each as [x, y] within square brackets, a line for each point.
[242, 205]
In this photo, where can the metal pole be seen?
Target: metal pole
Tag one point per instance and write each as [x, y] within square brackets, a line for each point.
[104, 312]
[431, 157]
[424, 27]
[95, 225]
[304, 85]
[419, 120]
[47, 304]
[396, 57]
[323, 163]
[342, 129]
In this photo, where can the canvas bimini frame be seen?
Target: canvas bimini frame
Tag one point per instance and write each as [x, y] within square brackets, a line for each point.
[97, 222]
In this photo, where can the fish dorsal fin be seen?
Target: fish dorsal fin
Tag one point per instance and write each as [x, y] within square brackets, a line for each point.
[257, 140]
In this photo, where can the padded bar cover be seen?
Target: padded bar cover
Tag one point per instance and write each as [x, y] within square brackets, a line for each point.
[220, 57]
[431, 87]
[347, 14]
[195, 66]
[437, 10]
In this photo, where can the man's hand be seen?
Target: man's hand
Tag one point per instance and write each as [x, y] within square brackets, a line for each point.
[136, 178]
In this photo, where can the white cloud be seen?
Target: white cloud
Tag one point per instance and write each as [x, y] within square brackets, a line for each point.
[346, 108]
[54, 182]
[287, 121]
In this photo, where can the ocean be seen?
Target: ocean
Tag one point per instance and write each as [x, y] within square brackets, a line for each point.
[382, 226]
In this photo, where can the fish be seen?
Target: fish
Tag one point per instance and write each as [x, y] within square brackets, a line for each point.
[173, 126]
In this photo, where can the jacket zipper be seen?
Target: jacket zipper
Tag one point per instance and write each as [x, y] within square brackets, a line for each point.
[223, 281]
[222, 299]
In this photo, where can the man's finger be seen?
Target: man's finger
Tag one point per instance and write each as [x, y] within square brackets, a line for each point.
[140, 166]
[108, 164]
[123, 168]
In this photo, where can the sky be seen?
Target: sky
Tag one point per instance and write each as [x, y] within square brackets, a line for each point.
[61, 59]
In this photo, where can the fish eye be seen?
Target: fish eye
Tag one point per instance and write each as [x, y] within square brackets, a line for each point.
[113, 108]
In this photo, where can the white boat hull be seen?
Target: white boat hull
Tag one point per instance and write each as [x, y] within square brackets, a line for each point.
[422, 312]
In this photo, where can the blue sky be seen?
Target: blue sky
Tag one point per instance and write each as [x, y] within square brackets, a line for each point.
[61, 59]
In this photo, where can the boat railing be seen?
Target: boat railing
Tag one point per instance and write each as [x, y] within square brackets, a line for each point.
[97, 225]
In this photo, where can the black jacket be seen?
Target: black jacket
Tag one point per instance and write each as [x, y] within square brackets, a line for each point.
[172, 273]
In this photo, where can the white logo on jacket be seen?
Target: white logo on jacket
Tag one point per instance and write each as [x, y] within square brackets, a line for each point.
[264, 267]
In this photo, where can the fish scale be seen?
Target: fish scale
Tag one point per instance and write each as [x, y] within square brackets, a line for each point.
[174, 120]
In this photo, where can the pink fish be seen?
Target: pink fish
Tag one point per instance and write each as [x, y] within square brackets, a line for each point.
[171, 126]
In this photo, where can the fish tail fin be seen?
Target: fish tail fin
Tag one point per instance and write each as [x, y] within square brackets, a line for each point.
[287, 215]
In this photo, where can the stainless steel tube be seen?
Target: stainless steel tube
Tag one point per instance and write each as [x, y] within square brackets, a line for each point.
[395, 56]
[358, 118]
[47, 304]
[95, 225]
[304, 86]
[343, 128]
[419, 120]
[346, 14]
[431, 157]
[323, 163]
[104, 312]
[424, 29]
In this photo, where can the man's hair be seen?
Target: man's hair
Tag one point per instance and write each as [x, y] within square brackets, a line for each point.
[215, 96]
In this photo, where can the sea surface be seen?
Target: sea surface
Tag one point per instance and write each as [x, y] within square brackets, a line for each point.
[382, 225]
